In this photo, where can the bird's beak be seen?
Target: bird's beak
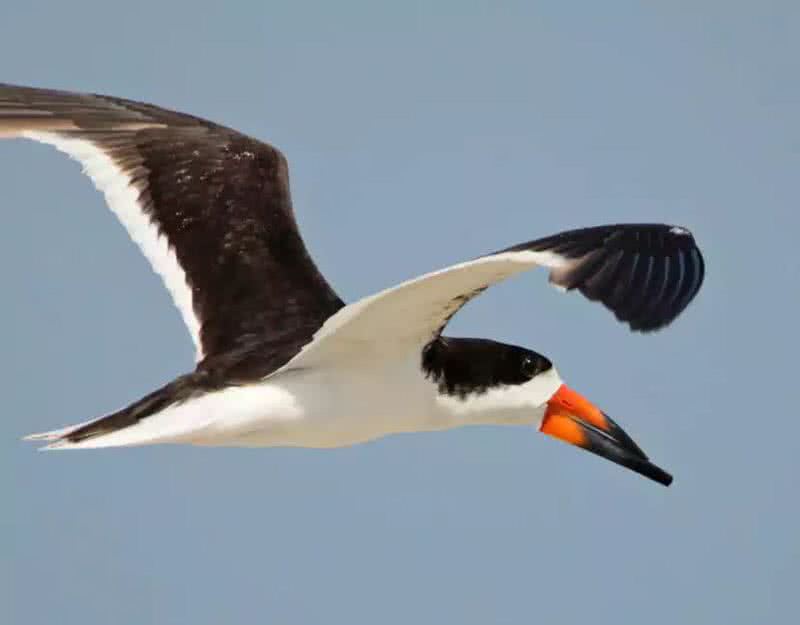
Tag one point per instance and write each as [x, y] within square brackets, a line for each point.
[574, 419]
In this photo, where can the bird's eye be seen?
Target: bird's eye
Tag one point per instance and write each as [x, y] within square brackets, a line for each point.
[529, 366]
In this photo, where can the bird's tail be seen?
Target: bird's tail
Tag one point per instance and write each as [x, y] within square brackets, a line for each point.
[108, 431]
[166, 415]
[54, 437]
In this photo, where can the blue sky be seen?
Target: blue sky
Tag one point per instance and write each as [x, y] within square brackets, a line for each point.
[419, 136]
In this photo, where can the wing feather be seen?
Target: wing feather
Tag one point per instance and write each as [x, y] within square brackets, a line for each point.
[209, 207]
[628, 268]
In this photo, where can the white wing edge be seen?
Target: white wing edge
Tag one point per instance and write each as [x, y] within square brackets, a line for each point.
[123, 200]
[429, 300]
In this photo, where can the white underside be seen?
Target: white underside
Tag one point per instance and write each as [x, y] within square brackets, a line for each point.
[329, 407]
[402, 319]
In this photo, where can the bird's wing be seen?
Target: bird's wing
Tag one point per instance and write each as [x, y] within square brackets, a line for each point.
[209, 208]
[646, 274]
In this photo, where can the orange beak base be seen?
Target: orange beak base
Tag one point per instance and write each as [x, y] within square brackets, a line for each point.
[574, 419]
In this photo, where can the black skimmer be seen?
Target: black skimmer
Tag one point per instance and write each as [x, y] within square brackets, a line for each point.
[281, 360]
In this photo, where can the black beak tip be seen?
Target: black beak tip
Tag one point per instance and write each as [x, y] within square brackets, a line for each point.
[655, 473]
[617, 446]
[641, 465]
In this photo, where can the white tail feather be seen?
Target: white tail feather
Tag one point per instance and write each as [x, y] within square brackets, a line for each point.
[215, 416]
[55, 434]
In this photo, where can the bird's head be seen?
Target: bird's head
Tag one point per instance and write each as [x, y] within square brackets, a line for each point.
[482, 381]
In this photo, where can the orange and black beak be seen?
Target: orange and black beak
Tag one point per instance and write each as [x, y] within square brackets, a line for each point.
[574, 419]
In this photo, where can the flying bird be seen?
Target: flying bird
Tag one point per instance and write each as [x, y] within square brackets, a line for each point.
[281, 359]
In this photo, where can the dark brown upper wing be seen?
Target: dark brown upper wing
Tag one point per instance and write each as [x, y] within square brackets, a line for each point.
[209, 206]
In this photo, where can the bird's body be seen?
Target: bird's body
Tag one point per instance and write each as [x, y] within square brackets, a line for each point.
[327, 407]
[281, 360]
[316, 408]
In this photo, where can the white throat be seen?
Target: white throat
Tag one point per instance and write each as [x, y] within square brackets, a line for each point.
[503, 405]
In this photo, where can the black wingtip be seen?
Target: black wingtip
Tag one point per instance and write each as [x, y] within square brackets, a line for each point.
[646, 274]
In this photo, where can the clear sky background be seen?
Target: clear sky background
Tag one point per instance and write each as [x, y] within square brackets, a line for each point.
[420, 134]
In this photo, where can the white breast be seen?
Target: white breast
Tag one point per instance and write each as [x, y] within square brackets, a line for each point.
[345, 405]
[332, 407]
